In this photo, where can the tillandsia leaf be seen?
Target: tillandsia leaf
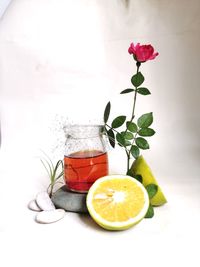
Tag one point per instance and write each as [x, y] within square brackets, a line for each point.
[119, 121]
[131, 126]
[146, 132]
[128, 90]
[111, 137]
[127, 135]
[107, 112]
[48, 188]
[142, 143]
[49, 171]
[49, 160]
[137, 79]
[150, 212]
[59, 162]
[135, 151]
[143, 91]
[120, 139]
[54, 172]
[145, 120]
[56, 181]
[152, 189]
[60, 175]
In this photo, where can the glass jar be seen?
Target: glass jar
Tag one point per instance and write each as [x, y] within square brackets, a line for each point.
[85, 158]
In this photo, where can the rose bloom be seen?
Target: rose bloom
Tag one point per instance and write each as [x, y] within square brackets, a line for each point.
[142, 53]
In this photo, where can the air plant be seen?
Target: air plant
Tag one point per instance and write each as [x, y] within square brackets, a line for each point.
[55, 172]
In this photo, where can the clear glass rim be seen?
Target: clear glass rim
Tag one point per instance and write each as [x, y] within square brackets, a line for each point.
[84, 125]
[72, 134]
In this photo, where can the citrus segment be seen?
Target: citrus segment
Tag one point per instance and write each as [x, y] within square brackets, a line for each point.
[141, 167]
[117, 202]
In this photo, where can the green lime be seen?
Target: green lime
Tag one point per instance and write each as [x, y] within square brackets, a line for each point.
[140, 167]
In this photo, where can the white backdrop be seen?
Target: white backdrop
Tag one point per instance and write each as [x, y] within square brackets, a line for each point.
[3, 6]
[69, 58]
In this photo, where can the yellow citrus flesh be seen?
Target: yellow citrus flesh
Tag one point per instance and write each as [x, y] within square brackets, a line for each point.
[117, 202]
[141, 167]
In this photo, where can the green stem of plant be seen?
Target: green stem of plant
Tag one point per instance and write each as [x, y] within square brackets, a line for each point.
[133, 116]
[135, 95]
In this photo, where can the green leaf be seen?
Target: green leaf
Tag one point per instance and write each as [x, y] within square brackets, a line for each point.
[152, 189]
[138, 177]
[107, 112]
[111, 137]
[146, 132]
[117, 122]
[142, 143]
[131, 126]
[143, 91]
[128, 90]
[127, 135]
[130, 173]
[137, 79]
[127, 143]
[135, 152]
[120, 139]
[145, 120]
[150, 212]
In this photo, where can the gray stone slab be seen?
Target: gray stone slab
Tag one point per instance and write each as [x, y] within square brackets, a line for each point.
[70, 201]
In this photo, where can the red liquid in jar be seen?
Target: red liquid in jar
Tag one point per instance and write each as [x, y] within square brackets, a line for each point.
[83, 168]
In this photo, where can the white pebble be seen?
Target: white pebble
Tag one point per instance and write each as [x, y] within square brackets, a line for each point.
[32, 205]
[50, 216]
[44, 202]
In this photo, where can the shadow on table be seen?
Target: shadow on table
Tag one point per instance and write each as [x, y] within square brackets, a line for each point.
[89, 222]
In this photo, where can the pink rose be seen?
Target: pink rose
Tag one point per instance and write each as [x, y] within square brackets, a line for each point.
[142, 53]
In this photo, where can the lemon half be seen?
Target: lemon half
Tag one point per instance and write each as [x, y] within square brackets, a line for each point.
[117, 202]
